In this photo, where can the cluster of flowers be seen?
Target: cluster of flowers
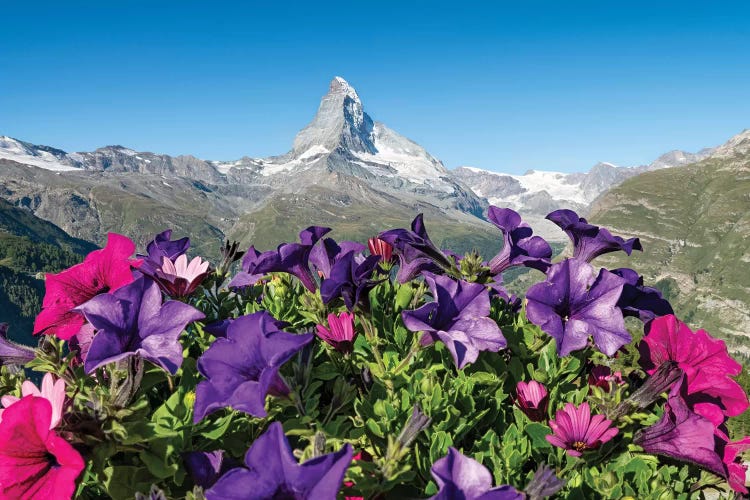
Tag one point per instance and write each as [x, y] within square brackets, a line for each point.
[158, 373]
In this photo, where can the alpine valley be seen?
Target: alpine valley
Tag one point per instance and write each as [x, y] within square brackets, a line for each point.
[358, 176]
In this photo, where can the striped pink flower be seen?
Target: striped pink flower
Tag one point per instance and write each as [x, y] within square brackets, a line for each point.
[52, 390]
[575, 430]
[340, 332]
[180, 278]
[532, 399]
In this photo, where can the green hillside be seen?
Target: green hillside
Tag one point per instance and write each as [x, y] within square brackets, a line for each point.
[694, 223]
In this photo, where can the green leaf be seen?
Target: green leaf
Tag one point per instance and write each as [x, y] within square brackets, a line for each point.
[537, 433]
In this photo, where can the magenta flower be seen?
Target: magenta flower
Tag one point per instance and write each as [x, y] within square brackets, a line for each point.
[179, 278]
[575, 430]
[682, 434]
[573, 305]
[341, 334]
[102, 271]
[462, 477]
[52, 390]
[735, 468]
[34, 461]
[590, 241]
[711, 391]
[380, 247]
[532, 399]
[458, 317]
[272, 471]
[602, 376]
[520, 248]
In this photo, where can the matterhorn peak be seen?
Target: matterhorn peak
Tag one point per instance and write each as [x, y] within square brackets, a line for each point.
[340, 122]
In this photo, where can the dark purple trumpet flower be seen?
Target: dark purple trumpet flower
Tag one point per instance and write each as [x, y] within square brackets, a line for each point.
[292, 258]
[218, 328]
[162, 246]
[325, 255]
[462, 477]
[132, 321]
[271, 471]
[351, 281]
[643, 302]
[458, 317]
[206, 467]
[573, 305]
[520, 248]
[244, 367]
[12, 353]
[682, 434]
[416, 252]
[590, 241]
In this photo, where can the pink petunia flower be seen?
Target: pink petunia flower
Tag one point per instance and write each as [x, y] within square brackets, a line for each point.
[341, 334]
[711, 392]
[730, 452]
[380, 247]
[532, 399]
[34, 461]
[52, 390]
[180, 278]
[102, 271]
[575, 430]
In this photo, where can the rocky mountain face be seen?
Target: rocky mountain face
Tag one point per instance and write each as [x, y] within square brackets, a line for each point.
[694, 223]
[344, 170]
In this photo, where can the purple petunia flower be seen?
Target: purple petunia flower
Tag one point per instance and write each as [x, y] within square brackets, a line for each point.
[271, 471]
[462, 477]
[324, 255]
[133, 321]
[590, 241]
[416, 252]
[12, 353]
[575, 430]
[162, 246]
[244, 367]
[206, 467]
[351, 281]
[641, 301]
[532, 399]
[520, 248]
[458, 317]
[292, 258]
[573, 305]
[682, 434]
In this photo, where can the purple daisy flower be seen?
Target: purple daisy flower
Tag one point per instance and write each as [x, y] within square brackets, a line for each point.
[572, 305]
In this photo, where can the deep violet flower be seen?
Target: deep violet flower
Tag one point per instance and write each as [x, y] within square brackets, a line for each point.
[133, 322]
[340, 332]
[681, 434]
[575, 430]
[179, 278]
[325, 254]
[416, 252]
[532, 399]
[590, 241]
[52, 390]
[458, 317]
[102, 271]
[206, 467]
[243, 368]
[520, 248]
[641, 301]
[162, 246]
[12, 353]
[351, 281]
[292, 258]
[711, 392]
[572, 305]
[462, 477]
[380, 247]
[602, 376]
[34, 461]
[271, 471]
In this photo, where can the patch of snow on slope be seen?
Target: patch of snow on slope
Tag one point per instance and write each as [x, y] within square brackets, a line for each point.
[11, 149]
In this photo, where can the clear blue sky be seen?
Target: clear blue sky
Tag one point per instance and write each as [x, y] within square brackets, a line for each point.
[505, 86]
